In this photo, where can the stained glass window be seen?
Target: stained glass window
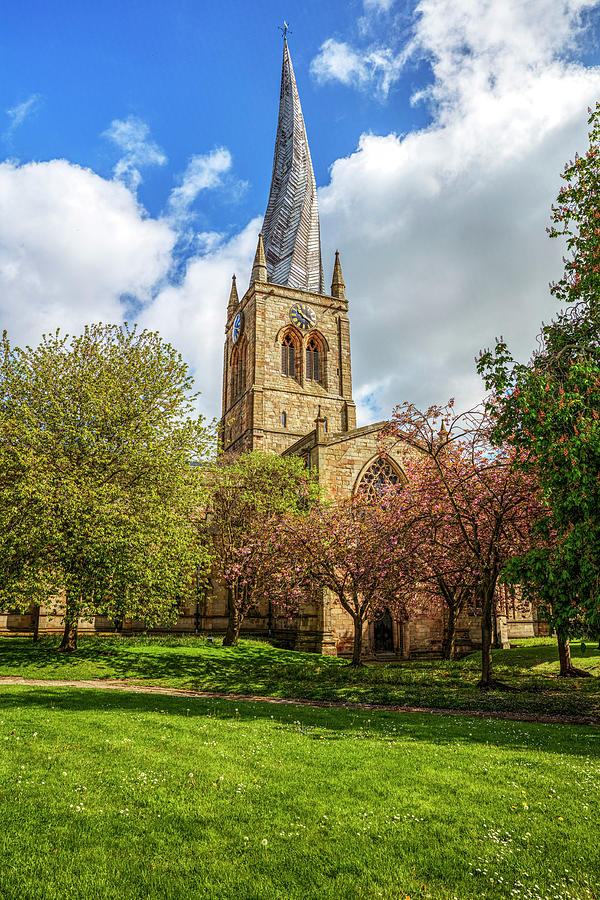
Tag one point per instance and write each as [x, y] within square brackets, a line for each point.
[379, 475]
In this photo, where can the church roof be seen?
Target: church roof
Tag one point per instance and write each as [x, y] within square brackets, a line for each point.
[291, 227]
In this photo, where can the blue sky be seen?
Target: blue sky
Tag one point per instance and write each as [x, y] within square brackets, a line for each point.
[200, 75]
[137, 141]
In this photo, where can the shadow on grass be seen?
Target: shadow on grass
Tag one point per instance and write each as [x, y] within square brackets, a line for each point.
[533, 657]
[256, 667]
[251, 668]
[313, 723]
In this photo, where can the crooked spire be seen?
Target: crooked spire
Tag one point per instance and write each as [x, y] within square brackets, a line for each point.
[291, 226]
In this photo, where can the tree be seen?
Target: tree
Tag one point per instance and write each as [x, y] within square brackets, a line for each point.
[435, 551]
[549, 408]
[99, 475]
[487, 503]
[350, 550]
[244, 495]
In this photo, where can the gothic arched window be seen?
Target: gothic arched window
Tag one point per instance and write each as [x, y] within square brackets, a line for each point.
[380, 475]
[314, 359]
[238, 370]
[288, 356]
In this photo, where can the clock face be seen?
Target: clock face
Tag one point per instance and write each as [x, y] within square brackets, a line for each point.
[303, 316]
[238, 324]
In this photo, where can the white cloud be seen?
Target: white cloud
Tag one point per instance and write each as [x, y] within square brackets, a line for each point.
[378, 5]
[132, 136]
[71, 245]
[377, 67]
[442, 232]
[78, 248]
[191, 315]
[17, 114]
[204, 171]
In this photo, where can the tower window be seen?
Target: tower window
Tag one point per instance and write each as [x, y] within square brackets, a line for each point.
[313, 360]
[238, 370]
[283, 420]
[288, 356]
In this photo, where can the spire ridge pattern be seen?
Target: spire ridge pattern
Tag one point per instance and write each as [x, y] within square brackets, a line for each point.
[291, 226]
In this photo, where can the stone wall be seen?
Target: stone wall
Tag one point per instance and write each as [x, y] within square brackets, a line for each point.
[253, 421]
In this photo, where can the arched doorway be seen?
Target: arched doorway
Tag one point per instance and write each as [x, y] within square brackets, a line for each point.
[383, 633]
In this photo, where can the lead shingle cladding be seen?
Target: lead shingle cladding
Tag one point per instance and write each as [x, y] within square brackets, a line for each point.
[291, 227]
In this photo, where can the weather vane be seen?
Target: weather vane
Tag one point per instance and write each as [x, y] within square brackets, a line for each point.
[285, 30]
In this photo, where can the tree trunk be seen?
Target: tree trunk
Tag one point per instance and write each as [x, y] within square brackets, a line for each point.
[449, 642]
[357, 647]
[69, 640]
[234, 621]
[35, 622]
[487, 630]
[567, 669]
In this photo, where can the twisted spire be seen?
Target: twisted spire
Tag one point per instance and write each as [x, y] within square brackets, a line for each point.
[291, 226]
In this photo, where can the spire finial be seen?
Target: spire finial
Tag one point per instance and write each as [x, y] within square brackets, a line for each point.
[234, 300]
[259, 269]
[338, 288]
[285, 30]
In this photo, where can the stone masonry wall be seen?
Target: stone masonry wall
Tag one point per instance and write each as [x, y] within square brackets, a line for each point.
[254, 420]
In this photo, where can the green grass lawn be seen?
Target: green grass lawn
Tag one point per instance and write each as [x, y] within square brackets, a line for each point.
[256, 667]
[107, 795]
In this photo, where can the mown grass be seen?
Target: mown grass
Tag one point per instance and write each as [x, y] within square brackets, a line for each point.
[124, 796]
[256, 667]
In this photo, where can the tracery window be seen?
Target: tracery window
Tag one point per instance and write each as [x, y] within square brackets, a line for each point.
[313, 360]
[380, 475]
[288, 356]
[238, 371]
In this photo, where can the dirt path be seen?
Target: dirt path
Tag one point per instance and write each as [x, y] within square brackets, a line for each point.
[134, 688]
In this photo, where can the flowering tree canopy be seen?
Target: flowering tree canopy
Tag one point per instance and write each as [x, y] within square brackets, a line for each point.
[352, 550]
[478, 504]
[549, 408]
[246, 497]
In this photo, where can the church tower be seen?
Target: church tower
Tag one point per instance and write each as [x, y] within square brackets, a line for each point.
[287, 342]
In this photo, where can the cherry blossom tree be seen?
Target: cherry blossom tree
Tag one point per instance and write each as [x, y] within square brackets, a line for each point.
[352, 550]
[437, 557]
[484, 503]
[246, 497]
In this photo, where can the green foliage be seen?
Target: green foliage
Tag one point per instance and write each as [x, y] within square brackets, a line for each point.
[256, 486]
[550, 407]
[99, 475]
